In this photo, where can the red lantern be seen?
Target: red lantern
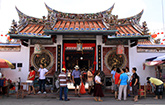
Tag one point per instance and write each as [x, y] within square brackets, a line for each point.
[158, 33]
[162, 32]
[154, 35]
[163, 39]
[161, 43]
[144, 66]
[8, 37]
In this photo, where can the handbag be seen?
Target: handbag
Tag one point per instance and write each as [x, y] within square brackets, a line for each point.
[82, 88]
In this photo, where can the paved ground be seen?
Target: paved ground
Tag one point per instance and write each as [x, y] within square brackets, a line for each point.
[83, 100]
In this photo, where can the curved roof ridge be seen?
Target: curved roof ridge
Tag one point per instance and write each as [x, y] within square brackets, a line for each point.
[23, 18]
[135, 18]
[53, 10]
[21, 14]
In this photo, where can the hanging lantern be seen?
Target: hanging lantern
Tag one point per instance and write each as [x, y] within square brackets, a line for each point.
[120, 49]
[37, 49]
[154, 35]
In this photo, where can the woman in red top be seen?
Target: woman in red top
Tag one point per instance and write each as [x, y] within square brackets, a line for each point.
[31, 77]
[116, 78]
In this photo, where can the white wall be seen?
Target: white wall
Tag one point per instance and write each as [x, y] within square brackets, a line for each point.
[137, 60]
[16, 57]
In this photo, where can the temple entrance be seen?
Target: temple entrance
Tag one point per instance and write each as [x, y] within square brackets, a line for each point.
[84, 64]
[84, 59]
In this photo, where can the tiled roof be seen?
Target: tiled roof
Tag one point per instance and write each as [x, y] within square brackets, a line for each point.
[32, 29]
[79, 25]
[36, 29]
[127, 30]
[144, 42]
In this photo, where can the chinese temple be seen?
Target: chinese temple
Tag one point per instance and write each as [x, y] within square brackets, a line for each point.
[99, 40]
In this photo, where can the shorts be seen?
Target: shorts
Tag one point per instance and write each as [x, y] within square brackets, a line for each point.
[116, 88]
[90, 83]
[135, 90]
[77, 81]
[30, 84]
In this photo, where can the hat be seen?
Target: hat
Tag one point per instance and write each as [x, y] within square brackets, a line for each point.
[76, 67]
[63, 69]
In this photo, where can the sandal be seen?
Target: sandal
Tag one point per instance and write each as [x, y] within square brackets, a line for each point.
[100, 100]
[78, 95]
[95, 99]
[155, 98]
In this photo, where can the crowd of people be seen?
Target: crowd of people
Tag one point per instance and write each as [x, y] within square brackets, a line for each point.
[121, 79]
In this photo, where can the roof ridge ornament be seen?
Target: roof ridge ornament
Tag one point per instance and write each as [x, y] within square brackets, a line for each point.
[133, 19]
[83, 16]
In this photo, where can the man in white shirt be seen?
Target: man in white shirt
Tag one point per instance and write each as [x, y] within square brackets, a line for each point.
[42, 72]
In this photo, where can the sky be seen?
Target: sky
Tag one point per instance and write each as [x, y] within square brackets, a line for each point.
[123, 8]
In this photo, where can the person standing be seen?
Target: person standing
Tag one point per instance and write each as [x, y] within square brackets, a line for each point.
[158, 85]
[98, 93]
[76, 78]
[63, 84]
[84, 75]
[113, 71]
[117, 77]
[90, 80]
[42, 72]
[31, 77]
[69, 75]
[135, 84]
[128, 82]
[123, 85]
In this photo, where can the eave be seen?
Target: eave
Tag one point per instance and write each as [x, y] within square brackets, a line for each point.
[80, 32]
[16, 36]
[130, 37]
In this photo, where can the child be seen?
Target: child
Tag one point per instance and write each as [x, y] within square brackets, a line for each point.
[31, 77]
[149, 88]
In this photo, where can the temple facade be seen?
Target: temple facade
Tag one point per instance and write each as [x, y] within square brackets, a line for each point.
[98, 40]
